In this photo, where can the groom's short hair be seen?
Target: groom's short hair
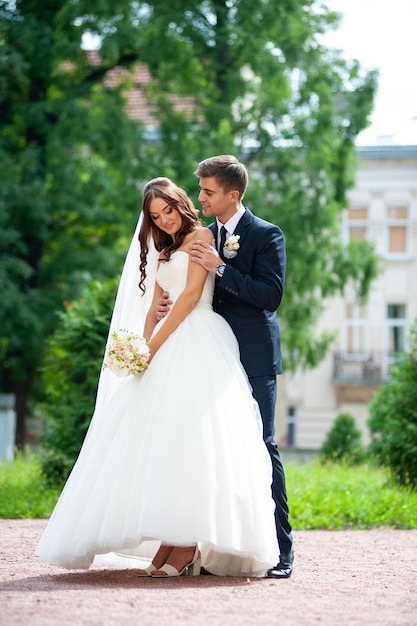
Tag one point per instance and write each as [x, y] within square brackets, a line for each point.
[230, 174]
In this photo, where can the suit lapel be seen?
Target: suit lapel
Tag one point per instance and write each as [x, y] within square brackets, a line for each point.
[213, 228]
[241, 228]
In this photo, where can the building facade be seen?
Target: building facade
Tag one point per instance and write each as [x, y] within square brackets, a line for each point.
[382, 208]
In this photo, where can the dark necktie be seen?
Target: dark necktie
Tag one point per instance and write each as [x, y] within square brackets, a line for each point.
[222, 240]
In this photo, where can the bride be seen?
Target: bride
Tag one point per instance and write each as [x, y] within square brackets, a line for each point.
[173, 465]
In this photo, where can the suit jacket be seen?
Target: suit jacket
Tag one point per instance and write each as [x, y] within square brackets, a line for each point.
[250, 292]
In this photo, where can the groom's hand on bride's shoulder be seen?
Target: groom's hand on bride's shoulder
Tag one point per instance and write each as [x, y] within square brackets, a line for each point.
[205, 254]
[163, 306]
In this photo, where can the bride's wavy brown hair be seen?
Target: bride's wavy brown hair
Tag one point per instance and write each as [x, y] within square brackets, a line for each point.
[176, 198]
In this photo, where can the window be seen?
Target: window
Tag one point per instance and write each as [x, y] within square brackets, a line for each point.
[396, 328]
[397, 231]
[357, 223]
[291, 425]
[396, 333]
[355, 337]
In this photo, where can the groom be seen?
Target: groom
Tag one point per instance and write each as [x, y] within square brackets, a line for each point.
[249, 261]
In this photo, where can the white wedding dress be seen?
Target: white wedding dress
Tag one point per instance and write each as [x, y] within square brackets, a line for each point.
[175, 455]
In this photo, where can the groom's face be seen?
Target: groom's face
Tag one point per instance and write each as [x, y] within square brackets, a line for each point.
[214, 201]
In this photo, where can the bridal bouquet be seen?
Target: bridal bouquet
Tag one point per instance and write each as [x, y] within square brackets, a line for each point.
[126, 353]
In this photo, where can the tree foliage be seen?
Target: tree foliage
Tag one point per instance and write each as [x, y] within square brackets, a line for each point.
[68, 179]
[343, 441]
[393, 418]
[257, 81]
[266, 88]
[72, 365]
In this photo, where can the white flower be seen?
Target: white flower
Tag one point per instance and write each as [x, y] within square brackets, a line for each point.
[231, 246]
[127, 353]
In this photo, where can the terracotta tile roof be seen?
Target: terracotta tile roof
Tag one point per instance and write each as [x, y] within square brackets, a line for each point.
[137, 105]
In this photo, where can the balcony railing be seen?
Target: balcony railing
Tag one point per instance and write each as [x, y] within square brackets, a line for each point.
[365, 368]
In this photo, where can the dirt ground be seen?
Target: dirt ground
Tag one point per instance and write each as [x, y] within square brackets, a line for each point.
[341, 578]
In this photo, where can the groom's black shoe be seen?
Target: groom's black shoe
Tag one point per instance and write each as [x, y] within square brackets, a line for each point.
[204, 572]
[284, 568]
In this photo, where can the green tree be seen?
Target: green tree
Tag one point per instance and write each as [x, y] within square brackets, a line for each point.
[343, 441]
[72, 366]
[257, 81]
[70, 159]
[393, 418]
[264, 87]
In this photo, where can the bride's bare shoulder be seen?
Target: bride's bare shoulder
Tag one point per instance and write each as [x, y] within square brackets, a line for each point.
[202, 233]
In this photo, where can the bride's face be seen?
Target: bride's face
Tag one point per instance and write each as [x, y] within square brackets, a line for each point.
[165, 216]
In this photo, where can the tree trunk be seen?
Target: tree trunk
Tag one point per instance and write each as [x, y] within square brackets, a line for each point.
[21, 391]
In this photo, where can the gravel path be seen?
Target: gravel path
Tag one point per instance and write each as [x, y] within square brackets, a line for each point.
[341, 578]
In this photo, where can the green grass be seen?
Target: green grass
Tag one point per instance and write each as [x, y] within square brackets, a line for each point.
[23, 490]
[338, 497]
[320, 496]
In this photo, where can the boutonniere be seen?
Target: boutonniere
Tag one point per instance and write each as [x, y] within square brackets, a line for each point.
[231, 246]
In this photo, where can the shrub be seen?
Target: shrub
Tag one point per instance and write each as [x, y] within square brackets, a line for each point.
[393, 419]
[343, 441]
[23, 490]
[72, 366]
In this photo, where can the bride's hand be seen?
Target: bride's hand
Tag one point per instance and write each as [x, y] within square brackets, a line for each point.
[163, 306]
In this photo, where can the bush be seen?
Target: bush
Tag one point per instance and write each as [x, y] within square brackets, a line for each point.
[23, 490]
[393, 419]
[72, 366]
[343, 441]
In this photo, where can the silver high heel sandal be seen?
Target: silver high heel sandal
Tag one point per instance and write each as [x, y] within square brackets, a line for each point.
[190, 569]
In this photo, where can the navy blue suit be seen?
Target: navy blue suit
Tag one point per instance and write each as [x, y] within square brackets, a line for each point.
[247, 296]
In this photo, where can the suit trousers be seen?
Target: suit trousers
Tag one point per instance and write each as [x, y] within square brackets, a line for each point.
[264, 390]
